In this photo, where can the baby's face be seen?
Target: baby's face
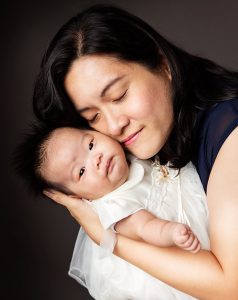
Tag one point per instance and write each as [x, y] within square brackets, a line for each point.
[86, 162]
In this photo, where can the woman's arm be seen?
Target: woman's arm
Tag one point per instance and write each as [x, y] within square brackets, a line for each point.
[171, 265]
[208, 274]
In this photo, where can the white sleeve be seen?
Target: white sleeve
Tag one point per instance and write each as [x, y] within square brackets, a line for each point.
[111, 211]
[125, 200]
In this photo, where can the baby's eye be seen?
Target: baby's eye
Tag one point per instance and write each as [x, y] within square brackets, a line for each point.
[82, 170]
[90, 146]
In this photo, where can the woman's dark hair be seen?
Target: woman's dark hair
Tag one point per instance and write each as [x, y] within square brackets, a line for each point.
[197, 83]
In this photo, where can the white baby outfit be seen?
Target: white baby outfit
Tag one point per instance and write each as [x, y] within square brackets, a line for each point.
[162, 191]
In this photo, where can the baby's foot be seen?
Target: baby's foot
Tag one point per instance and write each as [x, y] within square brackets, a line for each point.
[184, 238]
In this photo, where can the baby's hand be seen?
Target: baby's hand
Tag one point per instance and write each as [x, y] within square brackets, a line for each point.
[184, 238]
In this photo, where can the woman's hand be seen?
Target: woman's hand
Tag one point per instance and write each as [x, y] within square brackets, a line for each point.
[81, 211]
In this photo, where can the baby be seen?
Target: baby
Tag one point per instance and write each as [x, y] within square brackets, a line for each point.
[87, 164]
[136, 198]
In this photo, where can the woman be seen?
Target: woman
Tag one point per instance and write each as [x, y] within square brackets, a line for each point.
[127, 81]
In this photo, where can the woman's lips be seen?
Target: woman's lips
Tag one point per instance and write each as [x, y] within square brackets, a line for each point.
[131, 138]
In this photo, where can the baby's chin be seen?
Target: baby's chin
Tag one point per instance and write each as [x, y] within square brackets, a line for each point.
[120, 181]
[111, 187]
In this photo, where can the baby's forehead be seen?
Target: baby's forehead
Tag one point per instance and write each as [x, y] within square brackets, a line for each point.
[61, 146]
[65, 133]
[61, 137]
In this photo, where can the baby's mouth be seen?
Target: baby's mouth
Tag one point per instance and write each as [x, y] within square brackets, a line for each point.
[109, 165]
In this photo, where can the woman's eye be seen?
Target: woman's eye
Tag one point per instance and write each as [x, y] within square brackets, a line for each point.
[90, 146]
[121, 97]
[82, 170]
[94, 119]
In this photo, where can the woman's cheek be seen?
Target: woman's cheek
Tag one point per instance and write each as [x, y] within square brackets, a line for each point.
[140, 107]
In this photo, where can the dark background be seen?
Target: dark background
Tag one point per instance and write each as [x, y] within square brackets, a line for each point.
[37, 237]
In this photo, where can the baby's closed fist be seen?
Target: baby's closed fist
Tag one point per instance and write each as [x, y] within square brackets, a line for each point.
[184, 238]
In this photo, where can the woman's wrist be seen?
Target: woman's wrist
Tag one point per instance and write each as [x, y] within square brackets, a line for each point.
[94, 230]
[81, 211]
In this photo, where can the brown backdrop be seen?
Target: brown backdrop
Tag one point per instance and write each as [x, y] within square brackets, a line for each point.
[38, 237]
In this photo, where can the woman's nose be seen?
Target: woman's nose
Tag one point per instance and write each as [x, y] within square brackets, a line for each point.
[116, 124]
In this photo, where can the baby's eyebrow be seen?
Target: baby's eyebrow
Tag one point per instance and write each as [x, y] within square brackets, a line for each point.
[81, 142]
[84, 137]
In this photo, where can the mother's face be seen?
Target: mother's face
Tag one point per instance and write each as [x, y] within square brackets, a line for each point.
[123, 100]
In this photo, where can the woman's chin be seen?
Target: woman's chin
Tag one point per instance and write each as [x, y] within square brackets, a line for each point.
[145, 153]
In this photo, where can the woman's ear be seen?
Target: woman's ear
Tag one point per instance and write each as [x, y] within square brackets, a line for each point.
[165, 68]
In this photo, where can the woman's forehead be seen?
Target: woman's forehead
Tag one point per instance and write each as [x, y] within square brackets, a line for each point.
[94, 73]
[90, 76]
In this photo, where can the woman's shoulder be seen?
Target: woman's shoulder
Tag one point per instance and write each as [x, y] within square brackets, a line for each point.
[225, 112]
[213, 127]
[216, 123]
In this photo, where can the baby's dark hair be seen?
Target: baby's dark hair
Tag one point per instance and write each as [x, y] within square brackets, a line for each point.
[29, 156]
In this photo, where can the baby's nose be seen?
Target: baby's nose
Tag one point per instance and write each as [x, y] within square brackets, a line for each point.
[97, 159]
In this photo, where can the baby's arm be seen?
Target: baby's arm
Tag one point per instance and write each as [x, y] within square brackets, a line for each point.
[143, 225]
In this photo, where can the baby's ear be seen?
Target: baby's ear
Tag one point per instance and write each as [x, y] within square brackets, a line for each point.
[80, 198]
[75, 197]
[87, 200]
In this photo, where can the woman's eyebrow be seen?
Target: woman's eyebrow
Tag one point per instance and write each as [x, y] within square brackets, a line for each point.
[104, 91]
[110, 84]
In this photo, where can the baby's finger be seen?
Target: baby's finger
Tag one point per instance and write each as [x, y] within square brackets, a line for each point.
[198, 248]
[181, 239]
[195, 246]
[189, 241]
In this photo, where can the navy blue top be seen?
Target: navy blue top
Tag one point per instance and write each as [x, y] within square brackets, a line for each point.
[213, 126]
